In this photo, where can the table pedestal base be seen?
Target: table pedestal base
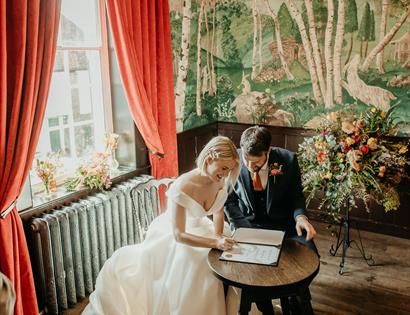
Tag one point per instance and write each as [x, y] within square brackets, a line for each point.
[301, 295]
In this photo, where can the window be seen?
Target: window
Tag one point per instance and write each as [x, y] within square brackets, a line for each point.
[80, 107]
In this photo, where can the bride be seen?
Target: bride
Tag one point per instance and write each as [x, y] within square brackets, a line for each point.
[167, 274]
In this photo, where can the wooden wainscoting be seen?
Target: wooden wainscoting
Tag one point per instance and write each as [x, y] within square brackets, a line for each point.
[396, 223]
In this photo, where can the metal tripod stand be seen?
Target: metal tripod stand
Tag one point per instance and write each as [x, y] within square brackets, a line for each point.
[347, 242]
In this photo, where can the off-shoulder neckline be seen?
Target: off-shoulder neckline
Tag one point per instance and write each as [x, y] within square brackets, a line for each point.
[196, 202]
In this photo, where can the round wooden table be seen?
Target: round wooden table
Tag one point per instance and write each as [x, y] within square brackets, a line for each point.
[297, 267]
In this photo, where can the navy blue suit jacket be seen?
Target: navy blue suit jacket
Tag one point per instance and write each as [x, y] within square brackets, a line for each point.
[285, 199]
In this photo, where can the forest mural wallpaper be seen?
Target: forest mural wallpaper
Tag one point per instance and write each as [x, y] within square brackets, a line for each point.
[287, 62]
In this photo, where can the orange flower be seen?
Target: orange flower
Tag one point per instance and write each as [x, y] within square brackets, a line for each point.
[353, 157]
[360, 124]
[320, 156]
[382, 170]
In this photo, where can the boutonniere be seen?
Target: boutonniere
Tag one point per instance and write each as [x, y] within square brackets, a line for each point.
[274, 170]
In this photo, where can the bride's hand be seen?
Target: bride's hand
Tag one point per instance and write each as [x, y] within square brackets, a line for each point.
[224, 243]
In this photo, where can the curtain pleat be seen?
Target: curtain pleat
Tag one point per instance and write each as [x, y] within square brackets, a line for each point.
[28, 30]
[142, 40]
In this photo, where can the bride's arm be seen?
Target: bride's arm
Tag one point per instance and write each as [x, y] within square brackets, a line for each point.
[178, 225]
[218, 219]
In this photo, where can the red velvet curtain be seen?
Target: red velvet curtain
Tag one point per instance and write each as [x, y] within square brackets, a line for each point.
[142, 39]
[28, 35]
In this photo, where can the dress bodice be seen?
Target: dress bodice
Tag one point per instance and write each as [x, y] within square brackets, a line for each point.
[193, 208]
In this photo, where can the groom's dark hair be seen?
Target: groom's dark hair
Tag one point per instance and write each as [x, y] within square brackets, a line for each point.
[255, 140]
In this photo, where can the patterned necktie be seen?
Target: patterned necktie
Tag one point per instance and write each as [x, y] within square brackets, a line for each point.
[256, 180]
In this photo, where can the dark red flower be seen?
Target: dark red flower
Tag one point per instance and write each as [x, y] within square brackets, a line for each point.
[356, 138]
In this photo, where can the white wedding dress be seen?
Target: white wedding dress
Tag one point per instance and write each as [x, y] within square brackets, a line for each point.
[161, 276]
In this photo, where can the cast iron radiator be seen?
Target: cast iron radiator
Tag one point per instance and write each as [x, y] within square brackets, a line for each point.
[71, 244]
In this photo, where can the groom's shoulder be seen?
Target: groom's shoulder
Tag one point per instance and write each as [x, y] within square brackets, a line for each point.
[285, 153]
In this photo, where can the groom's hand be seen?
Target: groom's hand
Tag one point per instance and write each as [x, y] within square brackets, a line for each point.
[302, 223]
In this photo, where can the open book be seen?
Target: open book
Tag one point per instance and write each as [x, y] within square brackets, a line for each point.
[255, 246]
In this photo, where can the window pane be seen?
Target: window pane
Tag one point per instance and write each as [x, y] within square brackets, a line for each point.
[84, 140]
[74, 118]
[67, 144]
[79, 24]
[65, 119]
[53, 122]
[55, 140]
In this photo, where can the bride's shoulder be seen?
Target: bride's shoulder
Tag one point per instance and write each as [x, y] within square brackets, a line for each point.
[189, 182]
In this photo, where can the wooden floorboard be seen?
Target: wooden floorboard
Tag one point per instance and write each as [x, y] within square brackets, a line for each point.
[383, 289]
[380, 289]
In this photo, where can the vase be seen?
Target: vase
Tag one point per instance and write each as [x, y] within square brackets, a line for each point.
[50, 188]
[52, 185]
[46, 184]
[113, 162]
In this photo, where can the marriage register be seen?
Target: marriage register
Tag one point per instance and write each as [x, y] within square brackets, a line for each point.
[255, 246]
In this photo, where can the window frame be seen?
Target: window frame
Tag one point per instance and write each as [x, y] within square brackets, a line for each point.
[25, 201]
[102, 49]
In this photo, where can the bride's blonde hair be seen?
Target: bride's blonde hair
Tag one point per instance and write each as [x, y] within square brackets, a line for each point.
[220, 148]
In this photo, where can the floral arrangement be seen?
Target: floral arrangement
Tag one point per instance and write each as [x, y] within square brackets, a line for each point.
[111, 144]
[46, 170]
[93, 174]
[354, 158]
[111, 141]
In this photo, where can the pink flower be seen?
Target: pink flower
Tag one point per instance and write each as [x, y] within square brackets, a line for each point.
[275, 169]
[275, 172]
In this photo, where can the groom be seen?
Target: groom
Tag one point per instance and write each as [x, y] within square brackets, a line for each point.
[268, 193]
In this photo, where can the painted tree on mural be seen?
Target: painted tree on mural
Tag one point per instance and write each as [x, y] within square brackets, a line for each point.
[326, 78]
[212, 87]
[287, 24]
[351, 24]
[278, 38]
[389, 35]
[255, 39]
[372, 33]
[288, 51]
[199, 71]
[337, 59]
[180, 88]
[293, 9]
[227, 11]
[364, 29]
[382, 33]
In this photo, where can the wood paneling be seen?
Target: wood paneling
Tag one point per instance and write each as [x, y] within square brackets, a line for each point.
[396, 223]
[191, 142]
